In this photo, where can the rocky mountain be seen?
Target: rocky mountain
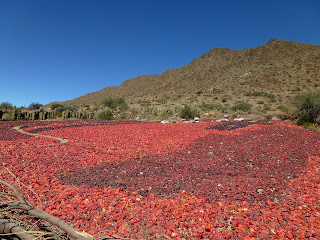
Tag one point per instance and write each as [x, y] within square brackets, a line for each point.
[267, 77]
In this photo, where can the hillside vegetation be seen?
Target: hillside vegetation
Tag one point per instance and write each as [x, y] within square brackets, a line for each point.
[261, 81]
[266, 77]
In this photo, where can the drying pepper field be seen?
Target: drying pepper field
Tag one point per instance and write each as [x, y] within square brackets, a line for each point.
[235, 180]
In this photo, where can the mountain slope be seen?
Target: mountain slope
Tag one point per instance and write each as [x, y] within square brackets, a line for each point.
[278, 68]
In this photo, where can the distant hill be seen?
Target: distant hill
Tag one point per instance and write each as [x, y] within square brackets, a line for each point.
[267, 77]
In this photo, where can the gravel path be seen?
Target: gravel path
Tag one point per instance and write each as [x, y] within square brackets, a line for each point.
[18, 128]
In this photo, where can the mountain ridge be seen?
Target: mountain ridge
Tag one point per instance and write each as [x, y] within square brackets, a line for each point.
[276, 64]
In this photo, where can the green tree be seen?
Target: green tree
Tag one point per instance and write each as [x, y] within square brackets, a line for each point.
[188, 113]
[35, 105]
[307, 107]
[60, 108]
[6, 106]
[57, 105]
[116, 103]
[104, 115]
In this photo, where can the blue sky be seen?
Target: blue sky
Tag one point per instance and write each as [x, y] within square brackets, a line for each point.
[62, 49]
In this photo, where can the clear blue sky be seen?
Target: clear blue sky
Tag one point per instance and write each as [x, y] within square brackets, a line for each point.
[61, 49]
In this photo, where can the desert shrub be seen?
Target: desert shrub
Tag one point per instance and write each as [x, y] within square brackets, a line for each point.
[188, 113]
[266, 108]
[59, 108]
[35, 105]
[109, 102]
[123, 107]
[162, 100]
[307, 107]
[221, 108]
[6, 106]
[283, 108]
[56, 105]
[307, 124]
[224, 99]
[209, 106]
[260, 102]
[255, 94]
[116, 103]
[144, 103]
[104, 115]
[244, 106]
[271, 97]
